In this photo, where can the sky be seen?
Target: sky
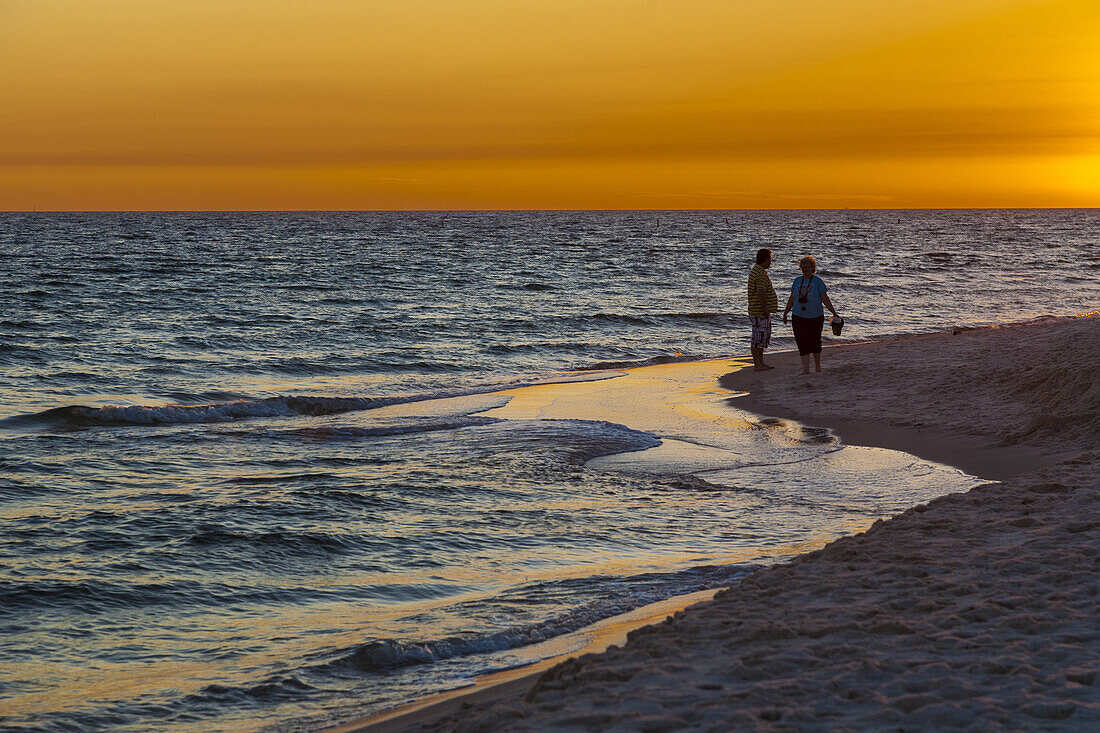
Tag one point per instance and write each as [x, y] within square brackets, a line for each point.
[548, 104]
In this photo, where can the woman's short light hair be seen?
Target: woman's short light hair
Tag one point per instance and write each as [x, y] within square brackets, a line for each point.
[807, 260]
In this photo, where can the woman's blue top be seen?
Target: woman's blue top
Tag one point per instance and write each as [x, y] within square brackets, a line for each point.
[812, 288]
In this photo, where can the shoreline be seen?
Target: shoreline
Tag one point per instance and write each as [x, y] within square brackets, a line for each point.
[517, 682]
[633, 391]
[972, 454]
[771, 394]
[969, 401]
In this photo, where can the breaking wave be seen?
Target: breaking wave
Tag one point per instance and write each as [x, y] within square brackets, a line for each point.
[626, 595]
[80, 416]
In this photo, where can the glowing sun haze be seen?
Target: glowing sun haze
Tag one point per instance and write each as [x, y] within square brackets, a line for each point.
[575, 104]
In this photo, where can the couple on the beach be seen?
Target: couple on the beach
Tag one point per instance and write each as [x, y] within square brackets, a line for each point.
[807, 320]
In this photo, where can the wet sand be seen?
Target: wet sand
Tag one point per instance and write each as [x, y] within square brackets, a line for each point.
[982, 400]
[518, 682]
[977, 610]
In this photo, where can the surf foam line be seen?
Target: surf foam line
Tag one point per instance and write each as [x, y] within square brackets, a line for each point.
[622, 595]
[80, 416]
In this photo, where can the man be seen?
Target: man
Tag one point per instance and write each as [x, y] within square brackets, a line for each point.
[762, 303]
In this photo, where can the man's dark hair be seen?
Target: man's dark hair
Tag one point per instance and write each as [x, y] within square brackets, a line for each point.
[762, 254]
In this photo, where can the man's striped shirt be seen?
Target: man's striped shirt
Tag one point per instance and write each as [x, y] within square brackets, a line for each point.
[762, 297]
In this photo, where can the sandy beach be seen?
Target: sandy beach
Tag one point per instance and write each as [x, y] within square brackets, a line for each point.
[977, 610]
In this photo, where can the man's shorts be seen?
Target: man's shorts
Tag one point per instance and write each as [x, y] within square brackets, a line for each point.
[761, 331]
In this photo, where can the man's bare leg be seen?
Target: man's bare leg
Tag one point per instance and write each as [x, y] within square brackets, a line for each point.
[758, 361]
[817, 362]
[805, 363]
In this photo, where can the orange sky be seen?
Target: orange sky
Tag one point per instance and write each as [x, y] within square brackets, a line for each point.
[485, 104]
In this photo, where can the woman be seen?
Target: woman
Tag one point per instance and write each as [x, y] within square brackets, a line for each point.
[807, 294]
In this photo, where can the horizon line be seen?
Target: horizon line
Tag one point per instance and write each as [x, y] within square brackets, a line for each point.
[546, 210]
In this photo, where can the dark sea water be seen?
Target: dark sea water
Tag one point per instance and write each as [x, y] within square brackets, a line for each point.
[212, 523]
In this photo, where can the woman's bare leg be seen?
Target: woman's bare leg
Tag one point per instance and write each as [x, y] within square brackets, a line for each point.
[817, 362]
[805, 363]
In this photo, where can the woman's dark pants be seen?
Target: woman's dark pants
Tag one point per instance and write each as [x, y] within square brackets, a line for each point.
[807, 333]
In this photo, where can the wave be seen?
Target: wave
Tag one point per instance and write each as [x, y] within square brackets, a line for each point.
[618, 319]
[23, 325]
[577, 441]
[201, 398]
[643, 318]
[634, 363]
[277, 541]
[389, 366]
[226, 548]
[710, 318]
[273, 689]
[536, 287]
[101, 596]
[403, 427]
[622, 595]
[80, 416]
[114, 415]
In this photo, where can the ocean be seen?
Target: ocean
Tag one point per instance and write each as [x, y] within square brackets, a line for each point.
[216, 519]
